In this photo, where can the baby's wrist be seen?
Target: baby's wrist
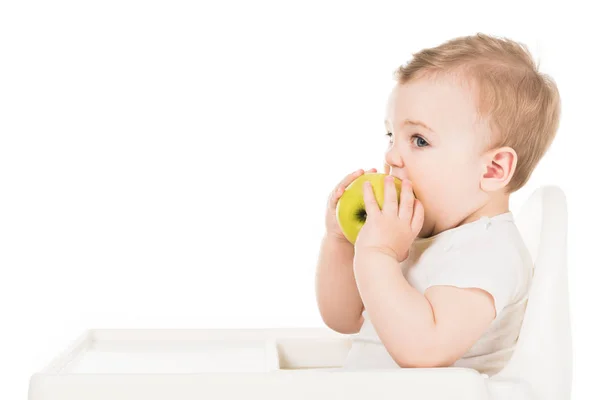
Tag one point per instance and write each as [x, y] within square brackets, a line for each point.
[336, 238]
[371, 253]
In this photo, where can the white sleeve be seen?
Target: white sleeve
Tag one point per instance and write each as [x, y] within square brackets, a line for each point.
[487, 266]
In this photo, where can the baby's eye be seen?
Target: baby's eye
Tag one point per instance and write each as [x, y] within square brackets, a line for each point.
[419, 141]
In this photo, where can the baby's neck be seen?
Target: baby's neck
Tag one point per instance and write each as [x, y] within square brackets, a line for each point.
[497, 205]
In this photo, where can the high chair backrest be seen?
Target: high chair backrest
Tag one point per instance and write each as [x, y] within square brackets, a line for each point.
[542, 359]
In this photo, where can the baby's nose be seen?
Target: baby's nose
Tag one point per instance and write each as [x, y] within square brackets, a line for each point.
[394, 159]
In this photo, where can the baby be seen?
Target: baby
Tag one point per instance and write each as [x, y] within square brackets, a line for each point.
[441, 277]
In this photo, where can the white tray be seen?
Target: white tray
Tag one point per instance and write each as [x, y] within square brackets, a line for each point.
[302, 363]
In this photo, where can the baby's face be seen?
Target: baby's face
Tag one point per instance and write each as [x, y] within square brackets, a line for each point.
[437, 142]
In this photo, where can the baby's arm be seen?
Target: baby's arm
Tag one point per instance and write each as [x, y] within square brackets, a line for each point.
[338, 299]
[430, 330]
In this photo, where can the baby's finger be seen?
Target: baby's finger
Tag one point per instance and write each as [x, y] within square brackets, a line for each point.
[418, 217]
[349, 178]
[407, 200]
[339, 190]
[371, 206]
[390, 196]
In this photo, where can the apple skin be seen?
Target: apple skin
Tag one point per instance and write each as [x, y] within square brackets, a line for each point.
[350, 210]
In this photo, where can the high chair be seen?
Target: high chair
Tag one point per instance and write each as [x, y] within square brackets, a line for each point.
[541, 366]
[304, 363]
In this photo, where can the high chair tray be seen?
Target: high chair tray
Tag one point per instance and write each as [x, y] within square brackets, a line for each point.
[275, 363]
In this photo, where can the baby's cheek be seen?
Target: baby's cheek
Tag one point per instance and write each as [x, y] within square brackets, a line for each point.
[429, 191]
[439, 185]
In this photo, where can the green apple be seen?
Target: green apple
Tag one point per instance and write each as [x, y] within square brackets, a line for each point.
[351, 213]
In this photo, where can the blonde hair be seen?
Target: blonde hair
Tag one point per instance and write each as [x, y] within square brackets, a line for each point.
[521, 105]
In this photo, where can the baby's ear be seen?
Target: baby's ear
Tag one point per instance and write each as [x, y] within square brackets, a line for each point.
[498, 168]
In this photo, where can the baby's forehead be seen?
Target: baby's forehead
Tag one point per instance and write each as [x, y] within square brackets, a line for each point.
[443, 105]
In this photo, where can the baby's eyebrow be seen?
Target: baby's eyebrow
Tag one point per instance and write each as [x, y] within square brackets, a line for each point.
[412, 122]
[417, 123]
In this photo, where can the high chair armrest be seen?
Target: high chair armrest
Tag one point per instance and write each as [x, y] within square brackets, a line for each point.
[232, 364]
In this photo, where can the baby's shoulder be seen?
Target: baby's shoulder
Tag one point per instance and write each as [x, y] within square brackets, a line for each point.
[497, 242]
[490, 240]
[499, 232]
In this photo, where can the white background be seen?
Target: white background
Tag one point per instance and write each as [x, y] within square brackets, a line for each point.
[166, 164]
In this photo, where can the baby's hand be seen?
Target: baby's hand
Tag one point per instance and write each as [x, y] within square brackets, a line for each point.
[392, 229]
[332, 225]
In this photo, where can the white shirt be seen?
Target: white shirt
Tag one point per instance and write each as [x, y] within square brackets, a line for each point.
[489, 254]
